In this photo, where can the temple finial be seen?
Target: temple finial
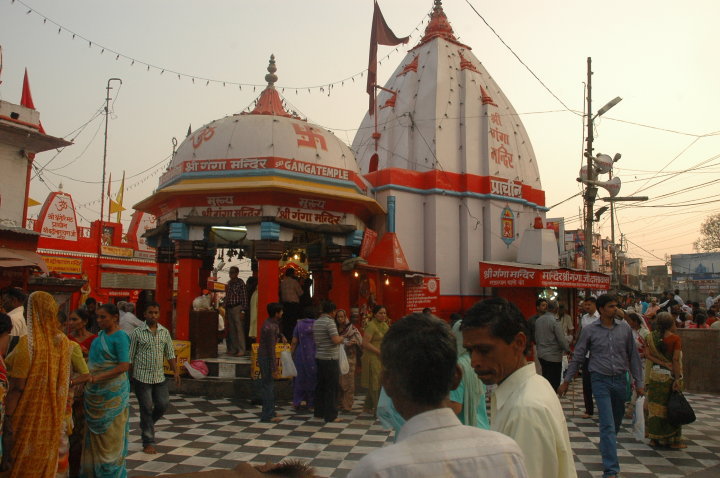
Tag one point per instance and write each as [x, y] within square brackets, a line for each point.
[271, 77]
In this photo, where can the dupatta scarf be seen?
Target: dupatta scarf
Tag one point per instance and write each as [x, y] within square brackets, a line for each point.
[40, 412]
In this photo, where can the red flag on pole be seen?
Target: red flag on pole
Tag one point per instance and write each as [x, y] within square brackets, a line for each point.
[379, 35]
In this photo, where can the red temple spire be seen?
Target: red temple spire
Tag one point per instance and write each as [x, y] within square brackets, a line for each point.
[439, 27]
[26, 98]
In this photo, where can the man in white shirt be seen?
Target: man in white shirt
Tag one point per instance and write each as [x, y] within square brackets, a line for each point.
[710, 301]
[523, 406]
[677, 298]
[128, 320]
[433, 442]
[13, 302]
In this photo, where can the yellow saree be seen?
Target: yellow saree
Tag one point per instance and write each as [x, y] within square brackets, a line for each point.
[41, 358]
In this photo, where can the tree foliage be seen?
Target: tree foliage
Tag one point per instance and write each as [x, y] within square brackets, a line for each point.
[709, 240]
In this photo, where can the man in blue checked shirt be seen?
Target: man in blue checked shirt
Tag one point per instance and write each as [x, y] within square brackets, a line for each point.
[612, 355]
[150, 344]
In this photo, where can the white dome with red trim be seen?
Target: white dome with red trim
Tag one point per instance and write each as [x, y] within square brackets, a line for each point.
[243, 141]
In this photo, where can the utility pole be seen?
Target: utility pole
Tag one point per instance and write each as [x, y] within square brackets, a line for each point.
[590, 190]
[107, 113]
[614, 277]
[101, 228]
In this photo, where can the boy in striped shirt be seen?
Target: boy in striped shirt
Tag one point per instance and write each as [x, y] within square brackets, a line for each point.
[150, 344]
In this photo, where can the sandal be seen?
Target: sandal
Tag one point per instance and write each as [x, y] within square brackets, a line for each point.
[678, 446]
[654, 443]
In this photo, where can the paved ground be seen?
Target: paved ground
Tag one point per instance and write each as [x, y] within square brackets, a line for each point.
[200, 434]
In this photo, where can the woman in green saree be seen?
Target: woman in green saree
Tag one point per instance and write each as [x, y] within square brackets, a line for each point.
[106, 400]
[664, 350]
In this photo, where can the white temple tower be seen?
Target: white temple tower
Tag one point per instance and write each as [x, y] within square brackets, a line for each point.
[453, 151]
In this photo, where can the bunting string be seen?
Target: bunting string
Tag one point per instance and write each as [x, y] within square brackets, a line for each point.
[199, 79]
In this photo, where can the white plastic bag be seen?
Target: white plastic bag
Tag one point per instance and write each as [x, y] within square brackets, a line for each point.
[287, 364]
[344, 364]
[639, 420]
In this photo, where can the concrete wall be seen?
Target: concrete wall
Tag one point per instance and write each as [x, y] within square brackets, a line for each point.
[701, 356]
[12, 184]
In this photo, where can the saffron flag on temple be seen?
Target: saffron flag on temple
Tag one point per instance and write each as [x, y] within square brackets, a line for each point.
[379, 35]
[117, 205]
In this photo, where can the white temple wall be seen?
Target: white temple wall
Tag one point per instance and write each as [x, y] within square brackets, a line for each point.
[12, 184]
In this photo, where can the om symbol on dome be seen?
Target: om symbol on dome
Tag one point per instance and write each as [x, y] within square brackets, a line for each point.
[204, 135]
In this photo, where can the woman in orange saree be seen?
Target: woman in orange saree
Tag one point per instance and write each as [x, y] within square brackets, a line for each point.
[39, 371]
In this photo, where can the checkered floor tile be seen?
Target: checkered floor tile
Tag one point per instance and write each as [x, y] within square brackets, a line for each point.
[199, 434]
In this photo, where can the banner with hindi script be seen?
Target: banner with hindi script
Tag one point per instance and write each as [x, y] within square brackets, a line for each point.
[528, 275]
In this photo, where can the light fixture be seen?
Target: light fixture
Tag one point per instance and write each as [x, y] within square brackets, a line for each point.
[296, 257]
[387, 281]
[609, 105]
[356, 274]
[229, 228]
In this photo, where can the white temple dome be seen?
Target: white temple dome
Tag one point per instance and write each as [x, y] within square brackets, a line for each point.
[267, 132]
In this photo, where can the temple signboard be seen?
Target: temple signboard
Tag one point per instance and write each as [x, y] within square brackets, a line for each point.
[422, 293]
[505, 275]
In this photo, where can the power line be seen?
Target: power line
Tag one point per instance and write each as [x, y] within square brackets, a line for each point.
[518, 58]
[206, 79]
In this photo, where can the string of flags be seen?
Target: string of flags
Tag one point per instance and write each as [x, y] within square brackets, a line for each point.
[155, 172]
[199, 79]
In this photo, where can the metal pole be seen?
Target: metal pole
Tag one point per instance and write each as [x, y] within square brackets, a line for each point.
[613, 262]
[107, 112]
[589, 201]
[102, 191]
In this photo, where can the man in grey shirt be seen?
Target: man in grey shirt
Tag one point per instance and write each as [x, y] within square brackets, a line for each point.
[551, 344]
[327, 341]
[128, 319]
[612, 354]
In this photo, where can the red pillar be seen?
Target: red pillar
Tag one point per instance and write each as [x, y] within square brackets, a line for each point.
[268, 255]
[165, 258]
[189, 265]
[339, 293]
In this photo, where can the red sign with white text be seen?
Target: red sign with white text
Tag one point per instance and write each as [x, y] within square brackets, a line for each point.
[501, 275]
[423, 294]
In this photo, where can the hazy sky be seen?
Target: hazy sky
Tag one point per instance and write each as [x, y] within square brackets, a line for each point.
[659, 56]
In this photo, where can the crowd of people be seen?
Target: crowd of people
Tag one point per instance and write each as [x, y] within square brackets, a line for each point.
[427, 379]
[65, 385]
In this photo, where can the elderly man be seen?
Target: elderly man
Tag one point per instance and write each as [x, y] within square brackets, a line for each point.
[128, 320]
[612, 354]
[551, 344]
[523, 406]
[433, 442]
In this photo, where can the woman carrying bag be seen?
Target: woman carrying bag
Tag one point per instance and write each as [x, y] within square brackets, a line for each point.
[664, 350]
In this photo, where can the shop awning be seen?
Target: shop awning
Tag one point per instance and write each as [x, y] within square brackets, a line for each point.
[19, 258]
[514, 274]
